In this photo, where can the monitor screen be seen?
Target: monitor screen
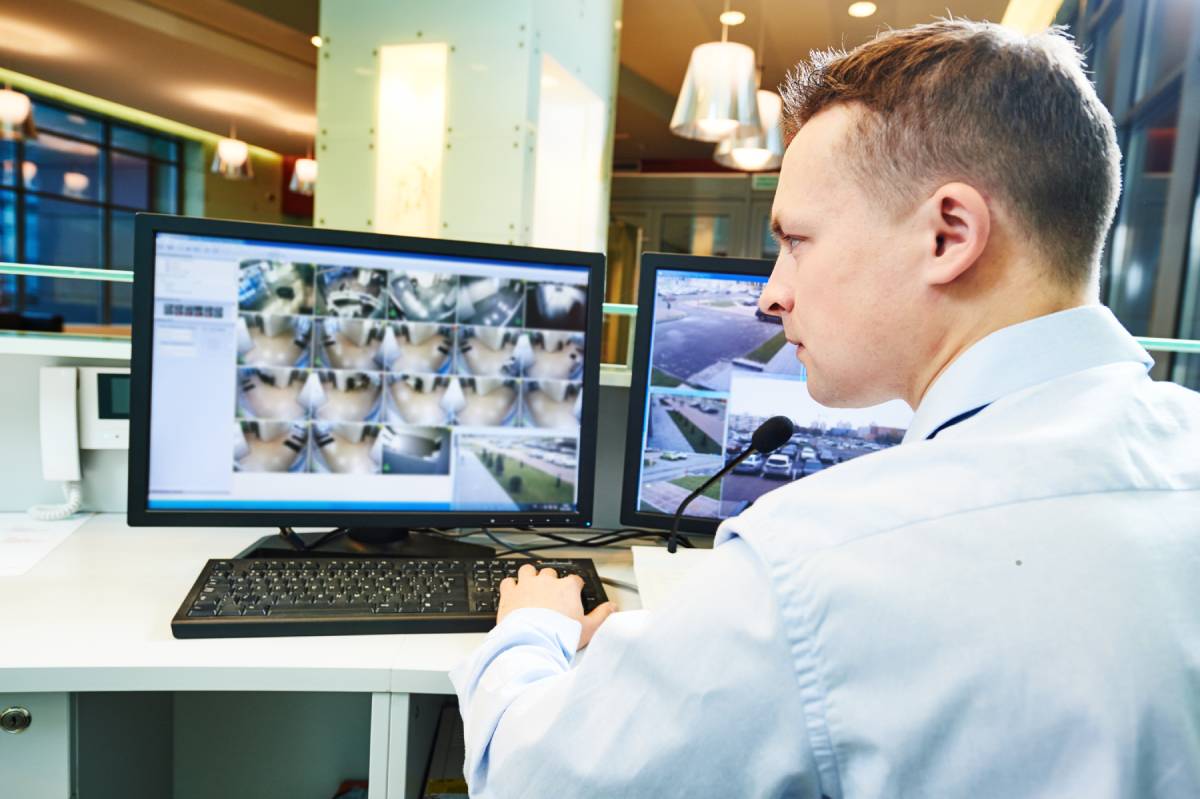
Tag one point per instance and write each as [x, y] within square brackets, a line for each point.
[710, 367]
[292, 376]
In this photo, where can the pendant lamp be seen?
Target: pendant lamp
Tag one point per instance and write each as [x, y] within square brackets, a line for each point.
[304, 176]
[232, 159]
[717, 98]
[16, 115]
[762, 150]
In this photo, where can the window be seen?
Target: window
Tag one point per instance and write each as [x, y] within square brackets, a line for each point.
[67, 198]
[1165, 39]
[1137, 237]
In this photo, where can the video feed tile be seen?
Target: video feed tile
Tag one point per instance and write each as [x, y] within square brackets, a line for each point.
[345, 448]
[706, 331]
[668, 477]
[263, 446]
[278, 288]
[551, 404]
[555, 355]
[422, 399]
[685, 423]
[415, 450]
[556, 306]
[419, 347]
[488, 401]
[418, 296]
[492, 351]
[350, 343]
[823, 438]
[273, 340]
[515, 473]
[351, 292]
[491, 301]
[272, 393]
[344, 396]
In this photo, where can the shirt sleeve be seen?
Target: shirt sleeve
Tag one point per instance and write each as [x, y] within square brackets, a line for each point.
[698, 698]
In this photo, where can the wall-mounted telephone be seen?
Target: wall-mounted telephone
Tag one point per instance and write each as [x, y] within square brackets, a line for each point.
[78, 408]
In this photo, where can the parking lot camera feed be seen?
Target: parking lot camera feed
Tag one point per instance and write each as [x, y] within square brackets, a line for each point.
[719, 369]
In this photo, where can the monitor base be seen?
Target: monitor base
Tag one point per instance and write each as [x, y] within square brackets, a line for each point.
[363, 543]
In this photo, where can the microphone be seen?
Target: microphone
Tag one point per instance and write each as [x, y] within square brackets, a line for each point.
[770, 436]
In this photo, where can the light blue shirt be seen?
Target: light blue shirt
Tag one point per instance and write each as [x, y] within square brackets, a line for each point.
[1009, 610]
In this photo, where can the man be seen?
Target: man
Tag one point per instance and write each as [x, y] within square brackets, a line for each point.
[1007, 604]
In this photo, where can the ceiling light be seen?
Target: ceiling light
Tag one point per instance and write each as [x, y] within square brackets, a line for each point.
[16, 115]
[75, 183]
[33, 39]
[304, 177]
[246, 105]
[761, 151]
[232, 159]
[863, 8]
[717, 97]
[316, 40]
[732, 18]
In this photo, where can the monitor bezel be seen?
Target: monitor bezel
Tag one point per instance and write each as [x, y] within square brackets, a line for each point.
[651, 264]
[148, 226]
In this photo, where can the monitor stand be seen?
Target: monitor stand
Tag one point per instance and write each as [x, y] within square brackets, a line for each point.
[363, 542]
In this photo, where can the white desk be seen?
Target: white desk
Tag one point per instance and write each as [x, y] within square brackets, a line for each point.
[94, 616]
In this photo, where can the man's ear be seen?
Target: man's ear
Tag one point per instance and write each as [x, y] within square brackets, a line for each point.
[958, 223]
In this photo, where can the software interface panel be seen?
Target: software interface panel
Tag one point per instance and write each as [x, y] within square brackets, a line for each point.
[719, 369]
[312, 377]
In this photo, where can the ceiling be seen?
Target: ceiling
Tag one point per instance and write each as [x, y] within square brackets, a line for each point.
[206, 63]
[210, 63]
[657, 37]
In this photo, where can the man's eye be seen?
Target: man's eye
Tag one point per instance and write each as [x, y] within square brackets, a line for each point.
[791, 242]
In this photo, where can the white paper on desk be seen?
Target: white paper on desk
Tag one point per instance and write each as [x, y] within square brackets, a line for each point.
[25, 541]
[659, 572]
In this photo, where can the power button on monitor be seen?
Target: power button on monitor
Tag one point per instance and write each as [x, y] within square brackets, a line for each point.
[15, 719]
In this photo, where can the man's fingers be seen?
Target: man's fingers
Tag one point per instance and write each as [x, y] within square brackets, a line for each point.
[600, 613]
[547, 572]
[507, 584]
[527, 570]
[576, 581]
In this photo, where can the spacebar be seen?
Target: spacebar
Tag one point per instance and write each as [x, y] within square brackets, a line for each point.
[320, 611]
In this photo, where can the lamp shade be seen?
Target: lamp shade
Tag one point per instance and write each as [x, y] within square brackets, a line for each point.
[232, 160]
[717, 98]
[760, 151]
[304, 176]
[16, 116]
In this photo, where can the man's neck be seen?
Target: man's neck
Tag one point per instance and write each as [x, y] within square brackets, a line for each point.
[960, 337]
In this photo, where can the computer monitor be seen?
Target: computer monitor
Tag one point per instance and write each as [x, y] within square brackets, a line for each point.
[708, 368]
[287, 376]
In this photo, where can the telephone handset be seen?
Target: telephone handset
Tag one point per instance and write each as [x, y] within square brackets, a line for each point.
[84, 407]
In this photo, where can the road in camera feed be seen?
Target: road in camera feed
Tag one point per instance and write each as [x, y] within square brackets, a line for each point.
[699, 337]
[516, 474]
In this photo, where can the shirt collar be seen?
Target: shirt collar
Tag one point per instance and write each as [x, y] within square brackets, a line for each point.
[1023, 355]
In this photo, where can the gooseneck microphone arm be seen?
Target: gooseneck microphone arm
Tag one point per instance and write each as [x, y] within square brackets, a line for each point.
[770, 436]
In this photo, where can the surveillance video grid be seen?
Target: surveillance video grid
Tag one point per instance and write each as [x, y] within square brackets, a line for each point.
[719, 369]
[351, 370]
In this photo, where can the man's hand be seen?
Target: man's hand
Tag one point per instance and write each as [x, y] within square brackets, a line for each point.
[545, 589]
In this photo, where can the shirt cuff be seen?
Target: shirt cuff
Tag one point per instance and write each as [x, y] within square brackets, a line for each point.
[564, 630]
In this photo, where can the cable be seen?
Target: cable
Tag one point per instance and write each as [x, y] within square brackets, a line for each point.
[54, 513]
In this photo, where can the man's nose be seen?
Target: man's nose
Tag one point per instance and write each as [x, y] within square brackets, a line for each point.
[776, 298]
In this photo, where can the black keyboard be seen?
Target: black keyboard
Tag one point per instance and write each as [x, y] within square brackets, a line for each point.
[250, 597]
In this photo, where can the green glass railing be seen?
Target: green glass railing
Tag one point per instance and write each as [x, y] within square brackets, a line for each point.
[1189, 346]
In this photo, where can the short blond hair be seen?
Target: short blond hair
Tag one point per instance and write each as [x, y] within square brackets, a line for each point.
[1013, 115]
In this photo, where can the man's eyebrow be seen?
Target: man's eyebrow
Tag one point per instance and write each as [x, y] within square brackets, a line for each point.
[776, 229]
